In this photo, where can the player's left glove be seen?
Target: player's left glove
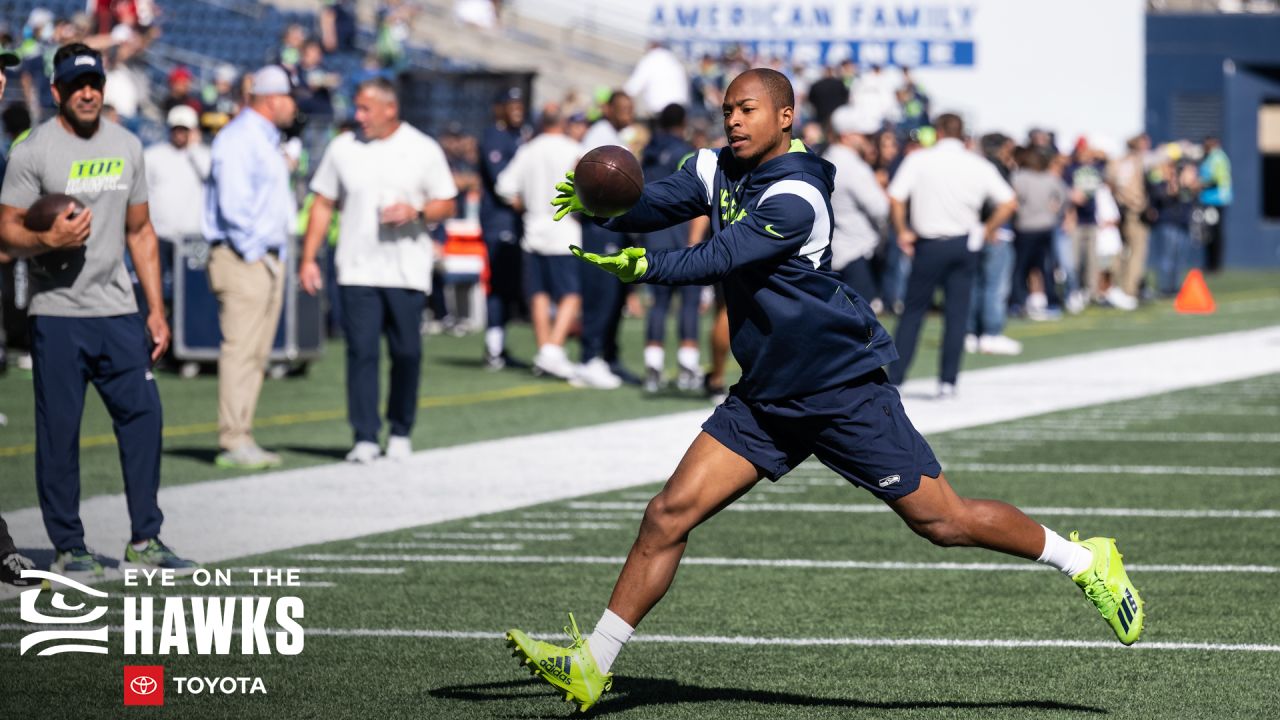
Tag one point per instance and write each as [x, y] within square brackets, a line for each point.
[567, 200]
[629, 265]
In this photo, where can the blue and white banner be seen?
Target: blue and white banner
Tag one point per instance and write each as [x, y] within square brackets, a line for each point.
[936, 34]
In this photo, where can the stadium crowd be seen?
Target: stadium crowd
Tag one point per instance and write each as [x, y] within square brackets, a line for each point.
[1091, 219]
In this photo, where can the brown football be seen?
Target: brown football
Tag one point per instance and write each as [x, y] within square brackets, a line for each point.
[608, 180]
[43, 212]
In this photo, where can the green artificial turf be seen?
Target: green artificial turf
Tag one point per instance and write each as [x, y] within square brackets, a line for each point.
[343, 676]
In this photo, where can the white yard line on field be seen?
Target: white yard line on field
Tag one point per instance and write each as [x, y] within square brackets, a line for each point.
[1053, 469]
[746, 506]
[790, 563]
[217, 520]
[747, 640]
[1047, 435]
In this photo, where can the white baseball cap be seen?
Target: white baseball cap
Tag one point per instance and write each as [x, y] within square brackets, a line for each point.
[272, 80]
[848, 119]
[183, 116]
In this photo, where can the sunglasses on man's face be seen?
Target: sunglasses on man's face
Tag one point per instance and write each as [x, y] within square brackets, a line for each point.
[97, 82]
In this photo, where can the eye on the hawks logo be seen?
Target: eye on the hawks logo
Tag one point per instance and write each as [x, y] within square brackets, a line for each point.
[143, 684]
[65, 637]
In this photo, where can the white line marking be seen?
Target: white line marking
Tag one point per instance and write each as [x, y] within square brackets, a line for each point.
[767, 562]
[1045, 468]
[540, 537]
[1086, 436]
[321, 570]
[747, 505]
[562, 515]
[775, 641]
[546, 525]
[810, 642]
[506, 547]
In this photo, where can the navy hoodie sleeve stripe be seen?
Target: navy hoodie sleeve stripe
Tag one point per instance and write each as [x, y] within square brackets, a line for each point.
[780, 226]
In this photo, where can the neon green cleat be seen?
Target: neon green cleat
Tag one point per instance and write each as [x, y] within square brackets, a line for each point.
[570, 669]
[1107, 585]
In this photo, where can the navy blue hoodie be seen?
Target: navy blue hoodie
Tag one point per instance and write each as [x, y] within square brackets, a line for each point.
[795, 328]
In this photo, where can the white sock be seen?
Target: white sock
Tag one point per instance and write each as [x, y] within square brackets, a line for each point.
[655, 358]
[689, 358]
[1070, 558]
[141, 545]
[494, 339]
[606, 641]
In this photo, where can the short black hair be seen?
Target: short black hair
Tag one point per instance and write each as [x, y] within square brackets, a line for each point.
[949, 125]
[776, 85]
[617, 95]
[73, 49]
[671, 117]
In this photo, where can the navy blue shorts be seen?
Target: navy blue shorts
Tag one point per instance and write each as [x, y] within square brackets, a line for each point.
[860, 431]
[555, 275]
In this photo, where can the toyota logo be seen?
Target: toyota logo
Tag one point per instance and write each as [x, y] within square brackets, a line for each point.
[144, 685]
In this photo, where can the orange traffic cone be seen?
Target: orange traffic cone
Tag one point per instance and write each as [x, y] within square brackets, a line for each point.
[1194, 297]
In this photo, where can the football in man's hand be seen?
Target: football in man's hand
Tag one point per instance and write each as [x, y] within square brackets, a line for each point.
[42, 214]
[608, 181]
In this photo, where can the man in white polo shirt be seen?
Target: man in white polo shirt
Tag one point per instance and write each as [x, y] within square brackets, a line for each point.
[946, 186]
[392, 181]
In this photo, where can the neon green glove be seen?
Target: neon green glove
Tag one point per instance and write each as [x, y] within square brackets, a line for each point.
[567, 201]
[629, 265]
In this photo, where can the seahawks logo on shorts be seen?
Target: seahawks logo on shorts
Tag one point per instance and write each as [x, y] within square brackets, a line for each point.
[891, 480]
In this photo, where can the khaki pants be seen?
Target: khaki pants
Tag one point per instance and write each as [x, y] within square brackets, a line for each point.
[1137, 238]
[1084, 249]
[249, 299]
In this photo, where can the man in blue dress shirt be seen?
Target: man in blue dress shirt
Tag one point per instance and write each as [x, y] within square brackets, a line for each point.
[248, 218]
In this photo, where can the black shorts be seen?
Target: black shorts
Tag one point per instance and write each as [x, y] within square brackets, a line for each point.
[555, 275]
[860, 431]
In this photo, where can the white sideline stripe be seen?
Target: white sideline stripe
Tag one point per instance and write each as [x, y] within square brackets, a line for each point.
[1045, 468]
[492, 536]
[217, 520]
[767, 562]
[507, 547]
[745, 505]
[768, 641]
[809, 642]
[567, 516]
[1083, 436]
[317, 569]
[514, 525]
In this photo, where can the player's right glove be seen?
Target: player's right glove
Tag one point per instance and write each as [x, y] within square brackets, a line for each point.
[567, 200]
[629, 264]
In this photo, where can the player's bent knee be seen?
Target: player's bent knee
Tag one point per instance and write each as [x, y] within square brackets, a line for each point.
[943, 532]
[665, 517]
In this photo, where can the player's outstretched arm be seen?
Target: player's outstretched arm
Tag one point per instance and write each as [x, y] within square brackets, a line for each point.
[780, 226]
[664, 203]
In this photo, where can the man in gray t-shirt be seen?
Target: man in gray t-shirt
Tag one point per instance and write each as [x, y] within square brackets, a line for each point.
[84, 319]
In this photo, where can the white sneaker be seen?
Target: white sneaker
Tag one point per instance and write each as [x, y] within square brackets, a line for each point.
[971, 343]
[1076, 302]
[999, 345]
[552, 360]
[689, 379]
[398, 448]
[596, 374]
[652, 380]
[364, 453]
[1121, 300]
[946, 391]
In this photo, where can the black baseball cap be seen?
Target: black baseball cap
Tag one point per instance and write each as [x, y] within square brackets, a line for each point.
[511, 94]
[76, 66]
[9, 59]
